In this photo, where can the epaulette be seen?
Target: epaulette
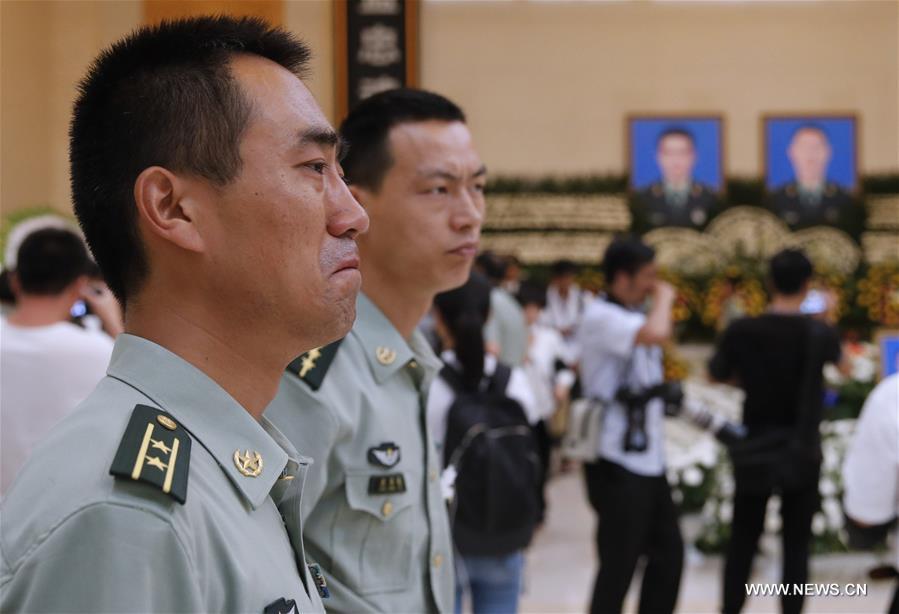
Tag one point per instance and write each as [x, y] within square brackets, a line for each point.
[312, 366]
[155, 449]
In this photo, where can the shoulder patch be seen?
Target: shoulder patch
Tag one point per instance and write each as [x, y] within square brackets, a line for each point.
[155, 449]
[312, 366]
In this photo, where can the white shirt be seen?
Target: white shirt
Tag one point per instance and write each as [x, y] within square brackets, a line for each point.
[565, 313]
[546, 347]
[45, 371]
[441, 396]
[606, 337]
[871, 469]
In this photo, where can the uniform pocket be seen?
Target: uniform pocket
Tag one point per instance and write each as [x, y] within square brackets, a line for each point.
[385, 535]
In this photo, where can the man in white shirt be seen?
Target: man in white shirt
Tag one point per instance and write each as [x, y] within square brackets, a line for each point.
[620, 350]
[871, 470]
[565, 303]
[48, 364]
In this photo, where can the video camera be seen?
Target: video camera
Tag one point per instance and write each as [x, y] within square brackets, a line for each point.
[672, 396]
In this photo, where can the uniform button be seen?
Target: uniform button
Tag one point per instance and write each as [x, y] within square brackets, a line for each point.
[432, 475]
[387, 509]
[438, 561]
[413, 364]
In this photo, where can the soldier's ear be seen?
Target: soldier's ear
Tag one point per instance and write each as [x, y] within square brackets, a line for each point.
[166, 208]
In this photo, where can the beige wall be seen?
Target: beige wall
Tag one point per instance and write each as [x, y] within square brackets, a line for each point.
[46, 47]
[547, 85]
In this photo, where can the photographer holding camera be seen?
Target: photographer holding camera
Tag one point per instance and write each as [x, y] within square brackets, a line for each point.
[777, 359]
[627, 486]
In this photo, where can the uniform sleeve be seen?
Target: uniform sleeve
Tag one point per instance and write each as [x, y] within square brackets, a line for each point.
[871, 469]
[721, 365]
[104, 558]
[610, 331]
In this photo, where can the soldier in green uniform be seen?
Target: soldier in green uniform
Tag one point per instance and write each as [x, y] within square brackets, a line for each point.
[375, 517]
[205, 179]
[810, 199]
[677, 199]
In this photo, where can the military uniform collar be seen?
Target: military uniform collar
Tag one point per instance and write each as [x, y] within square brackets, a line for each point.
[385, 348]
[214, 419]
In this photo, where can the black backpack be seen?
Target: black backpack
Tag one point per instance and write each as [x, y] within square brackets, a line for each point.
[494, 451]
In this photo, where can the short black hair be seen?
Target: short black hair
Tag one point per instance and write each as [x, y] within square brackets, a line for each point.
[790, 270]
[163, 95]
[367, 127]
[560, 268]
[625, 255]
[50, 260]
[531, 293]
[676, 131]
[492, 266]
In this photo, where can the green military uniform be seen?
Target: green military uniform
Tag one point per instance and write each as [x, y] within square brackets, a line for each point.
[156, 495]
[830, 205]
[689, 208]
[375, 519]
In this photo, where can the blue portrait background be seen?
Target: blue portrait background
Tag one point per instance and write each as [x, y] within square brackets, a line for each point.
[840, 131]
[889, 354]
[645, 131]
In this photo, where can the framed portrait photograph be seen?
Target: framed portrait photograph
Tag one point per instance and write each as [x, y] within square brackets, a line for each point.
[811, 166]
[888, 344]
[676, 167]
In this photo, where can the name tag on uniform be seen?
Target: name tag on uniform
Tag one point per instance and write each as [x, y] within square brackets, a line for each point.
[386, 484]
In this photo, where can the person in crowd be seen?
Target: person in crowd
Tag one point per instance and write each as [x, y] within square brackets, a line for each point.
[677, 199]
[47, 363]
[357, 406]
[565, 303]
[514, 276]
[157, 493]
[871, 471]
[506, 330]
[810, 199]
[621, 355]
[491, 563]
[777, 359]
[550, 372]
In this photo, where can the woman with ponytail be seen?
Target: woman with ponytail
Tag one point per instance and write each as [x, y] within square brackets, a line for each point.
[491, 402]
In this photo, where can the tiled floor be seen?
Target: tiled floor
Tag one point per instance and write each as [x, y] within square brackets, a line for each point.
[561, 565]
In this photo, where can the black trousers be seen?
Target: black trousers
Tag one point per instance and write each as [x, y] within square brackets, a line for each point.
[636, 518]
[796, 510]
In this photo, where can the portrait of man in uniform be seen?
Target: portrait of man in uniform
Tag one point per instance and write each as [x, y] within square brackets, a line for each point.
[810, 170]
[675, 170]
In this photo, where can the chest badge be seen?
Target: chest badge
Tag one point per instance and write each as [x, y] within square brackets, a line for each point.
[385, 355]
[249, 463]
[385, 455]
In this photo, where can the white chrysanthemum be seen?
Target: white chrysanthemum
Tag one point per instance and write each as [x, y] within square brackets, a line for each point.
[677, 496]
[692, 476]
[726, 511]
[819, 524]
[673, 477]
[727, 485]
[826, 486]
[863, 369]
[834, 513]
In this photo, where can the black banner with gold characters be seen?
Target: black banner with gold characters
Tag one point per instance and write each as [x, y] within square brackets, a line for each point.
[376, 48]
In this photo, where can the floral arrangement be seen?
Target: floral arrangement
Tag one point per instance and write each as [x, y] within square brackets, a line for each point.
[878, 293]
[827, 523]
